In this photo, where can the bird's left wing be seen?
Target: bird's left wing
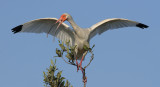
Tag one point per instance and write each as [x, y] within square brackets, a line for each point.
[49, 26]
[113, 23]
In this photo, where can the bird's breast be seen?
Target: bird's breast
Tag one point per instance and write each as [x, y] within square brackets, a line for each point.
[81, 42]
[79, 51]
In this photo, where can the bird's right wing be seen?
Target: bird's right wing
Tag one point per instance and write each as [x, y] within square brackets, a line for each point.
[49, 26]
[113, 23]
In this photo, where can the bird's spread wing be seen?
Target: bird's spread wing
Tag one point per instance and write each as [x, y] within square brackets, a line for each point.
[49, 26]
[113, 23]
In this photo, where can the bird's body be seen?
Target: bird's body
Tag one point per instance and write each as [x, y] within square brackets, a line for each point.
[81, 38]
[78, 36]
[80, 42]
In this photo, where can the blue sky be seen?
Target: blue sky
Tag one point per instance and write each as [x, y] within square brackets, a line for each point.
[127, 57]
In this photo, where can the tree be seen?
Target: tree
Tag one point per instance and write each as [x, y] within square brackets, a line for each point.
[53, 77]
[56, 80]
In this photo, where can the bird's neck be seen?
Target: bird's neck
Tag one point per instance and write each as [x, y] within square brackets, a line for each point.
[74, 25]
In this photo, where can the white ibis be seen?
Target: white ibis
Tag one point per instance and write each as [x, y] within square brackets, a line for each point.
[78, 36]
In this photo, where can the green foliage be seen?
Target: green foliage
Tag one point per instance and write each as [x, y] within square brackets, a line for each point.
[66, 48]
[69, 52]
[58, 52]
[53, 78]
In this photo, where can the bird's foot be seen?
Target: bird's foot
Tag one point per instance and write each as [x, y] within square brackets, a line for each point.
[85, 80]
[84, 76]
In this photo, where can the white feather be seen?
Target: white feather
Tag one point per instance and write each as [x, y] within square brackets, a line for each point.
[47, 25]
[108, 24]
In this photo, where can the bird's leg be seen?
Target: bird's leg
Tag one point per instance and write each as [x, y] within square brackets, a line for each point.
[77, 64]
[80, 64]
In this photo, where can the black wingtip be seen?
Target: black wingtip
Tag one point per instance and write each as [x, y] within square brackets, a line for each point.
[140, 25]
[17, 29]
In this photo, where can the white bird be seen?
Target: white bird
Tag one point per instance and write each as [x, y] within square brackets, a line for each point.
[78, 36]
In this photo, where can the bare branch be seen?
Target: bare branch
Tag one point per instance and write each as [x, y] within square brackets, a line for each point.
[92, 57]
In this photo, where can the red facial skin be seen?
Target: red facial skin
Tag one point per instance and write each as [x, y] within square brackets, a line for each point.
[61, 19]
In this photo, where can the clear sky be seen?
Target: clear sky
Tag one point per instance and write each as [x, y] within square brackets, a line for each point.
[127, 57]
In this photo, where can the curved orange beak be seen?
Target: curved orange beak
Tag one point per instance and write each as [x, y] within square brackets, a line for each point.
[61, 20]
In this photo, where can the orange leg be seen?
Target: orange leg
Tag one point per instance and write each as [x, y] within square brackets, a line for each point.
[77, 64]
[80, 64]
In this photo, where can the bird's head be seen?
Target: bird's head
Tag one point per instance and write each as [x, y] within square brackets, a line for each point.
[63, 18]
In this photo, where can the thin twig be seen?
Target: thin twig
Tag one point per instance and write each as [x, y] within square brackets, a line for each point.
[90, 60]
[69, 62]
